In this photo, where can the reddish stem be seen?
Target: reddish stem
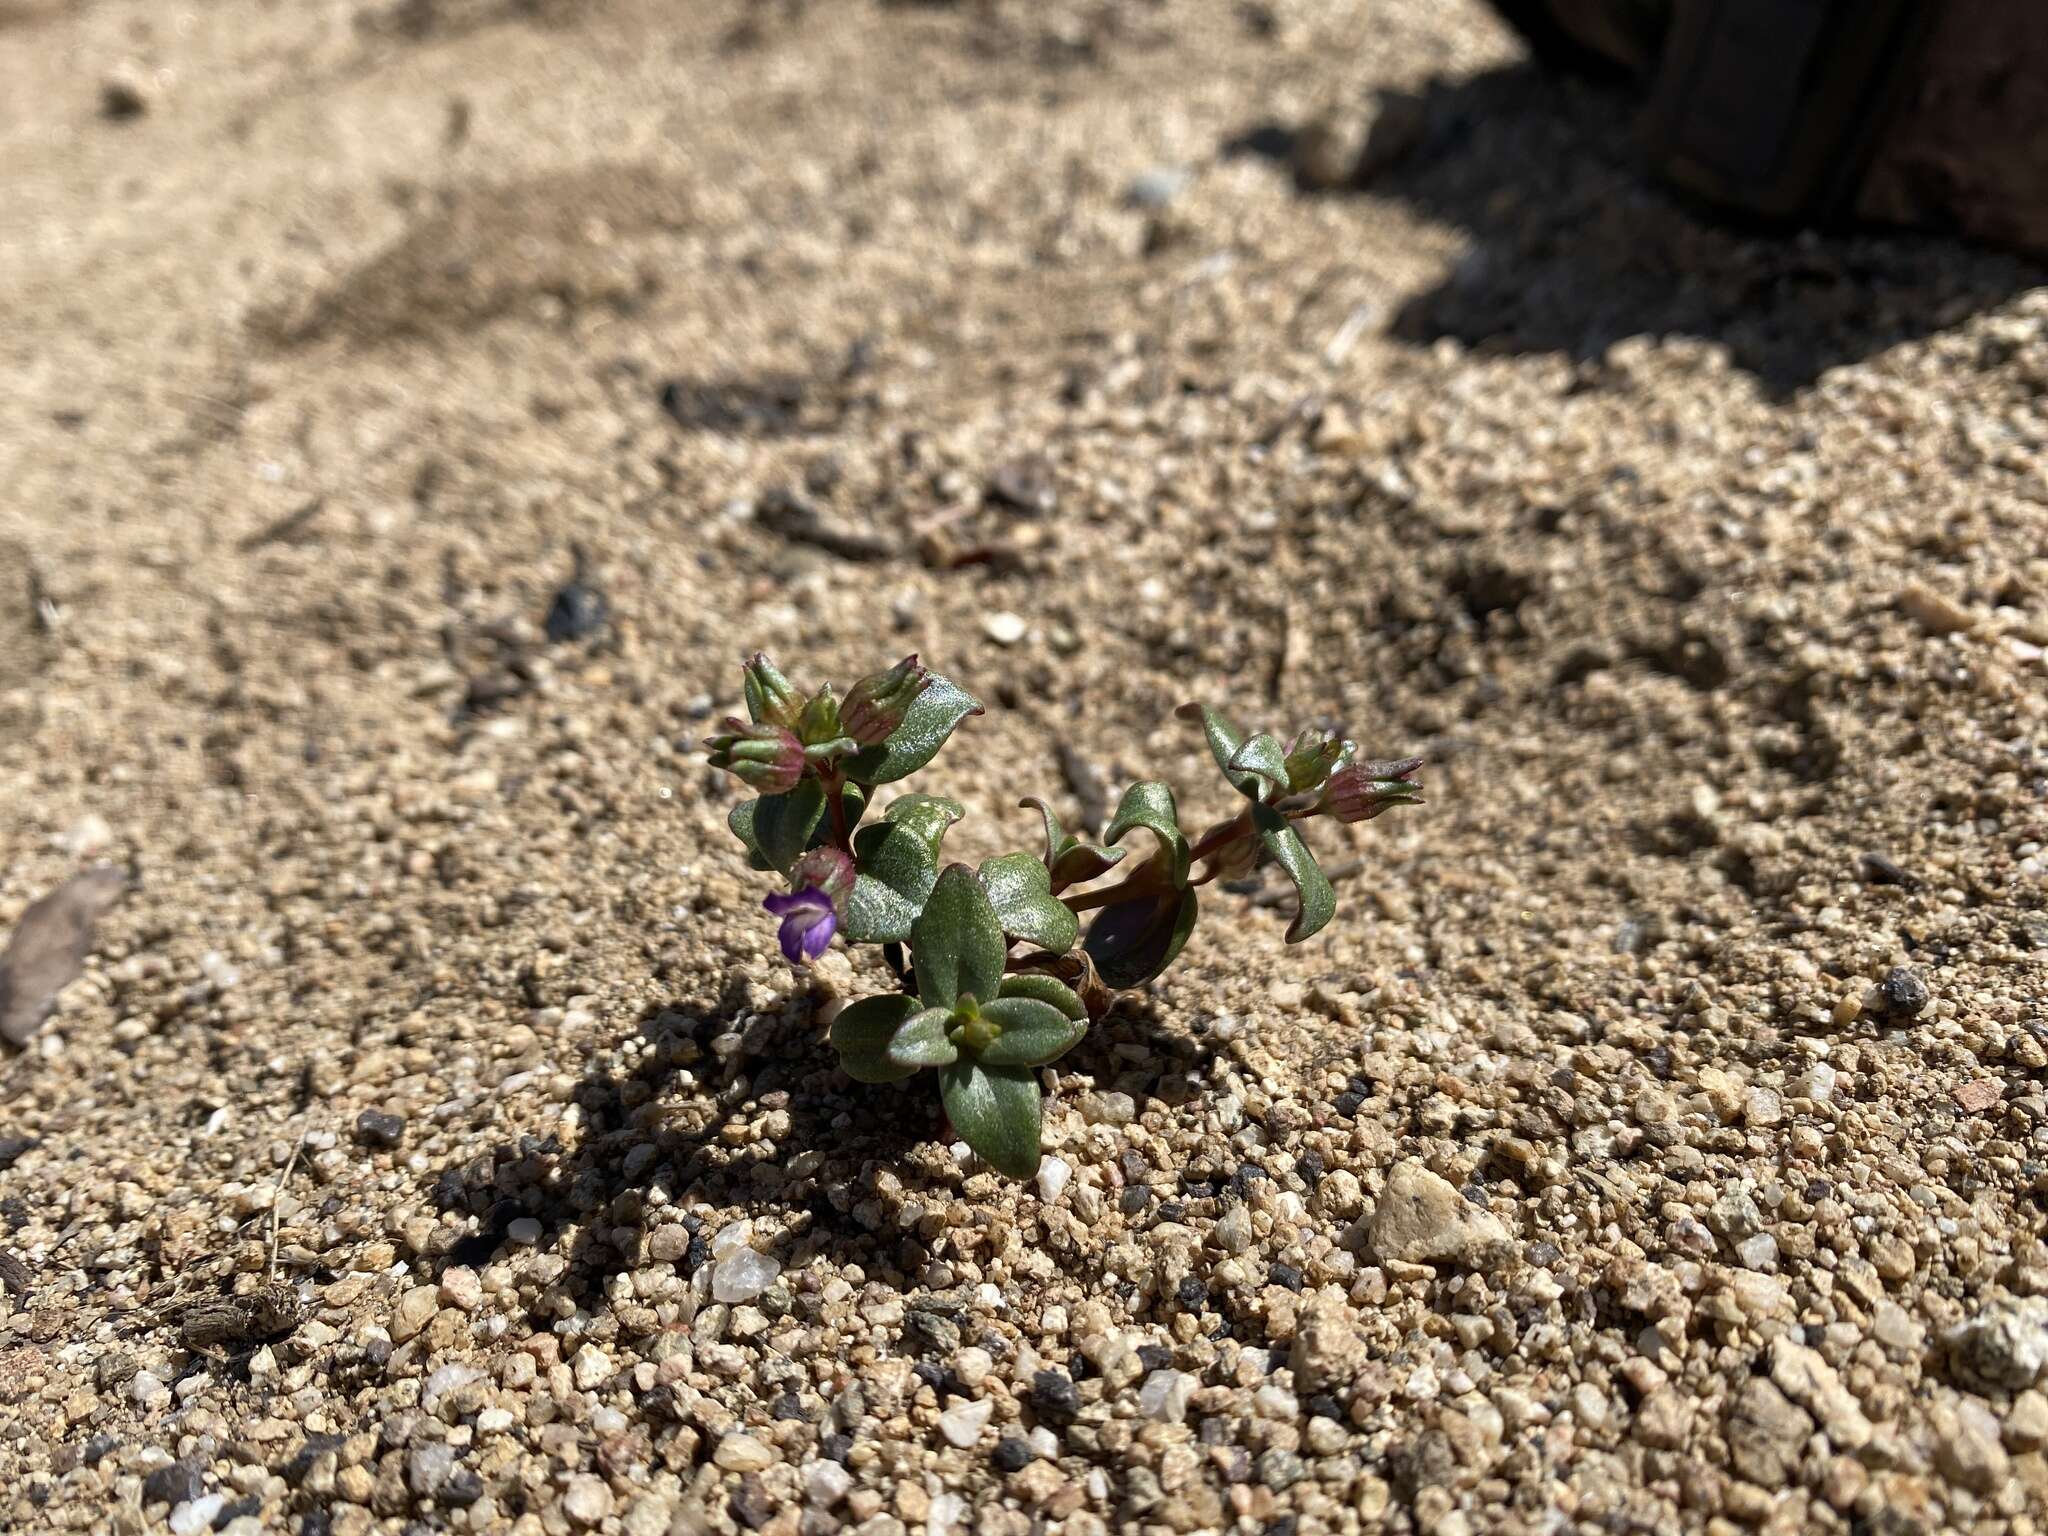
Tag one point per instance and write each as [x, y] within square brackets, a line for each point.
[841, 838]
[1146, 879]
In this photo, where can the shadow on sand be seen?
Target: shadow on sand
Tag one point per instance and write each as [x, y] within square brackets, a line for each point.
[1574, 247]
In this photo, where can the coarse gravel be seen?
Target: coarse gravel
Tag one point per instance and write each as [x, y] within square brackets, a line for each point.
[436, 1139]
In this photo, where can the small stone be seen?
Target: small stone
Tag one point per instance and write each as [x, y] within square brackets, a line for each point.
[578, 609]
[1589, 1405]
[1330, 1348]
[523, 1230]
[1664, 1420]
[648, 1515]
[379, 1129]
[1758, 1252]
[1422, 1219]
[2004, 1347]
[948, 1514]
[1935, 612]
[1966, 1445]
[416, 1308]
[1053, 1174]
[175, 1483]
[752, 1505]
[191, 1518]
[1155, 188]
[86, 836]
[1233, 1233]
[1977, 1096]
[2026, 1422]
[963, 1423]
[427, 1467]
[1025, 485]
[1164, 1397]
[125, 94]
[1004, 627]
[1109, 1109]
[1818, 1081]
[1902, 994]
[147, 1390]
[972, 1366]
[1280, 1470]
[591, 1367]
[1054, 1397]
[448, 1379]
[1011, 1454]
[826, 1482]
[743, 1453]
[744, 1275]
[1805, 1377]
[587, 1500]
[461, 1288]
[1766, 1433]
[668, 1244]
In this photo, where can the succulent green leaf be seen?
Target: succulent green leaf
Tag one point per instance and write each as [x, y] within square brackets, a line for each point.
[1149, 804]
[1224, 740]
[1318, 901]
[1133, 941]
[1262, 760]
[1020, 889]
[1046, 989]
[1068, 859]
[927, 815]
[862, 1032]
[1034, 1033]
[930, 719]
[996, 1112]
[895, 867]
[783, 818]
[777, 828]
[771, 697]
[956, 943]
[822, 752]
[922, 1042]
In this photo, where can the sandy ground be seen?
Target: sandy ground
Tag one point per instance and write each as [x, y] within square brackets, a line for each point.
[1587, 1174]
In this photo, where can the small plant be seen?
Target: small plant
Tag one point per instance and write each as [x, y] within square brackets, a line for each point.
[977, 1010]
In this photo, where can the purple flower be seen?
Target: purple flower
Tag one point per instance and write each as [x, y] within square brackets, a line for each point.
[810, 914]
[808, 923]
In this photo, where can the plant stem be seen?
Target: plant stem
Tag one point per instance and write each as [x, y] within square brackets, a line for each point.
[1145, 879]
[841, 838]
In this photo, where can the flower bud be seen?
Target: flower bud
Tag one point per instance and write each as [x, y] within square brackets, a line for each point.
[819, 721]
[771, 698]
[1310, 757]
[826, 869]
[878, 702]
[766, 757]
[1361, 791]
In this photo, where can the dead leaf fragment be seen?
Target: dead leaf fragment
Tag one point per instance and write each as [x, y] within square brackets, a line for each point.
[49, 948]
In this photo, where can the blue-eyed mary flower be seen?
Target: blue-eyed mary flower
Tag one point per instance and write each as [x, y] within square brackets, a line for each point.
[820, 883]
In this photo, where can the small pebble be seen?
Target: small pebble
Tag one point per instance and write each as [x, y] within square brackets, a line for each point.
[1004, 627]
[963, 1423]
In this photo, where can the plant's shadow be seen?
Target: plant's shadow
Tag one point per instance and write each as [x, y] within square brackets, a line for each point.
[642, 1125]
[1574, 247]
